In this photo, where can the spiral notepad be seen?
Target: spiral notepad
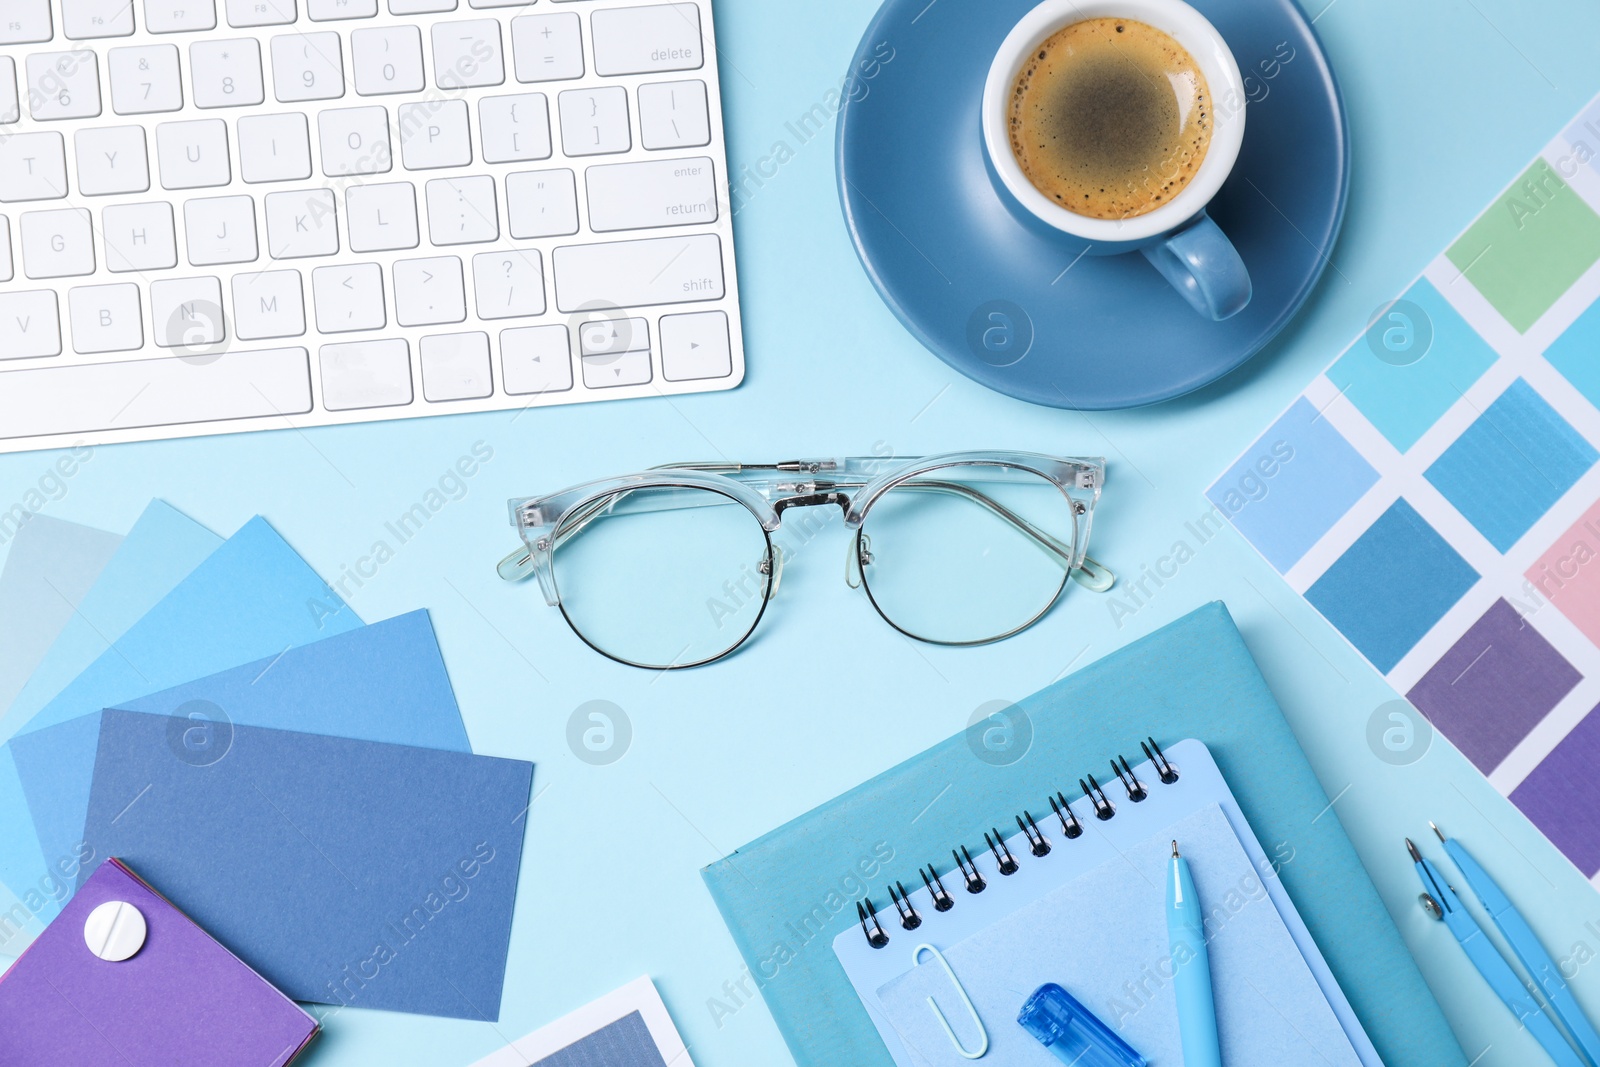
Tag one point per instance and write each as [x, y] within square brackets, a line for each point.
[1074, 895]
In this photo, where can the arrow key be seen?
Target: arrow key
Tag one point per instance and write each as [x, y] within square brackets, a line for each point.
[621, 368]
[604, 337]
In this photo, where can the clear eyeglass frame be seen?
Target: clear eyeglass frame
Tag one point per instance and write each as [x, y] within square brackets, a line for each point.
[855, 485]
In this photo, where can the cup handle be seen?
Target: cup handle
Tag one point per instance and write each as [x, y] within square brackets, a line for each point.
[1205, 268]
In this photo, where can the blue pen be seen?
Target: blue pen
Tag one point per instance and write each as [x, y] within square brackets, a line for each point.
[1186, 933]
[1440, 901]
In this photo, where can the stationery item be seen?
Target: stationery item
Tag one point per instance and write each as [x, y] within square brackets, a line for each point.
[376, 875]
[1441, 902]
[1017, 309]
[1080, 898]
[122, 976]
[384, 682]
[673, 567]
[1451, 457]
[629, 1027]
[50, 566]
[786, 895]
[1191, 963]
[163, 547]
[252, 597]
[1111, 185]
[1517, 933]
[1073, 1033]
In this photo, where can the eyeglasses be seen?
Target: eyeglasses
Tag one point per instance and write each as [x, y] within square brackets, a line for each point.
[675, 566]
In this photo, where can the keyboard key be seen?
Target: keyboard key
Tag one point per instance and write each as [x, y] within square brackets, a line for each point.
[660, 192]
[674, 115]
[246, 13]
[144, 79]
[455, 366]
[508, 284]
[112, 160]
[179, 16]
[434, 134]
[695, 346]
[33, 166]
[226, 73]
[193, 154]
[220, 230]
[535, 359]
[274, 148]
[595, 121]
[541, 203]
[307, 66]
[462, 211]
[139, 237]
[268, 305]
[514, 128]
[355, 140]
[57, 244]
[349, 298]
[644, 40]
[10, 106]
[420, 7]
[387, 60]
[609, 372]
[498, 3]
[333, 10]
[301, 224]
[608, 336]
[154, 392]
[105, 318]
[32, 326]
[382, 218]
[63, 85]
[547, 48]
[467, 54]
[664, 270]
[187, 312]
[366, 374]
[26, 22]
[7, 268]
[83, 20]
[429, 292]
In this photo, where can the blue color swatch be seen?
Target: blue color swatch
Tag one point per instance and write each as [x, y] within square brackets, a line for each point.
[1516, 460]
[1404, 399]
[1392, 585]
[624, 1043]
[1292, 485]
[1576, 353]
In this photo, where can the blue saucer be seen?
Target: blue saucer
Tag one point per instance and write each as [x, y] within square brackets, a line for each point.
[1010, 308]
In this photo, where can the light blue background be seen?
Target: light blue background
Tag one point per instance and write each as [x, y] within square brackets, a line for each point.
[1447, 102]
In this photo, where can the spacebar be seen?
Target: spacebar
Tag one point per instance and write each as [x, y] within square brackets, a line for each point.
[154, 392]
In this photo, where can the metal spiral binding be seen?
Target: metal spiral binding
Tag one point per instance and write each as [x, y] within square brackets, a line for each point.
[1005, 861]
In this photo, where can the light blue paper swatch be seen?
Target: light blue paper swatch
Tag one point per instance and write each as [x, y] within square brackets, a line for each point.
[1103, 937]
[163, 548]
[252, 597]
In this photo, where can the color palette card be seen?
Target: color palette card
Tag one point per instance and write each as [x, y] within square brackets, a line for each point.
[629, 1027]
[177, 998]
[1435, 493]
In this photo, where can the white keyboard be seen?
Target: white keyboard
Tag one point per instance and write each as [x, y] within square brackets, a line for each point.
[225, 215]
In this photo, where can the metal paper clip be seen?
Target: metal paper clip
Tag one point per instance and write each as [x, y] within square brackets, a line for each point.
[983, 1035]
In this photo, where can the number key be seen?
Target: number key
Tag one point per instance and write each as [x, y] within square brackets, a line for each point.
[307, 66]
[387, 60]
[226, 73]
[63, 85]
[144, 79]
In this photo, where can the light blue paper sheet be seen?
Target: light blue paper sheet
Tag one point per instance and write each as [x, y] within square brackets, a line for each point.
[161, 550]
[1103, 937]
[252, 598]
[49, 568]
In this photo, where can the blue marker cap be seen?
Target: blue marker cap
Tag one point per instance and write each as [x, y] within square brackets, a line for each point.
[1072, 1032]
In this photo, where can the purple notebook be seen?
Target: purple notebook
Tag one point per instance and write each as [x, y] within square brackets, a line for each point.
[180, 1000]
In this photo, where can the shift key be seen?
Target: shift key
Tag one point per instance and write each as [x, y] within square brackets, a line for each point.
[662, 270]
[659, 192]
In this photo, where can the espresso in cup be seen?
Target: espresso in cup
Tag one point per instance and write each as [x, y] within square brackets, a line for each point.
[1110, 118]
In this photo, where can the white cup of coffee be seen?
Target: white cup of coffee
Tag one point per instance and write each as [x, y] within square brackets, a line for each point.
[1113, 123]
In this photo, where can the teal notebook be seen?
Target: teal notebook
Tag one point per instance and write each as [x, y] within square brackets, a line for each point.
[1195, 678]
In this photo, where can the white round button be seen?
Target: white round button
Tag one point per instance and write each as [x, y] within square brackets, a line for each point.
[114, 931]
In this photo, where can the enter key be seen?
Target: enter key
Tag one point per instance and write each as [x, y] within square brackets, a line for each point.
[658, 192]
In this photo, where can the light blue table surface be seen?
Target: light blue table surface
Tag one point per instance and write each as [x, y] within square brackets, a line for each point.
[1448, 99]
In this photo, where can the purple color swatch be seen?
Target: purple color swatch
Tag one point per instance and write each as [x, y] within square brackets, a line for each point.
[1493, 686]
[1562, 795]
[182, 1001]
